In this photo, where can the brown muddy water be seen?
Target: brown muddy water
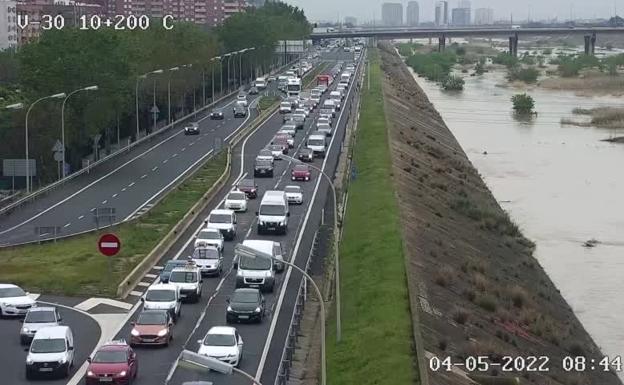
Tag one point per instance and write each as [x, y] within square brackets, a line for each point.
[561, 185]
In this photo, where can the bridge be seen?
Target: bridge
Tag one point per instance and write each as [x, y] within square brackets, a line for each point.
[590, 34]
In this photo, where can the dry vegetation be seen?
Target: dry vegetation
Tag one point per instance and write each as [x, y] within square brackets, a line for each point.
[591, 84]
[603, 117]
[474, 285]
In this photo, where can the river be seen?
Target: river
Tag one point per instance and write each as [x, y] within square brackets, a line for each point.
[560, 184]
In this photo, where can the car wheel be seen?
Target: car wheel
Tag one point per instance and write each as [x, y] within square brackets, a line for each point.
[67, 371]
[28, 375]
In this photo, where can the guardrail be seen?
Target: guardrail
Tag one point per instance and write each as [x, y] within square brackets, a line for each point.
[7, 209]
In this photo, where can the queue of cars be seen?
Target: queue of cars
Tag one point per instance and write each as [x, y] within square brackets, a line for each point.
[51, 345]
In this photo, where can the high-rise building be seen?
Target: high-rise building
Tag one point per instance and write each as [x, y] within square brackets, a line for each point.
[412, 13]
[461, 16]
[8, 25]
[441, 13]
[392, 14]
[350, 20]
[464, 4]
[484, 16]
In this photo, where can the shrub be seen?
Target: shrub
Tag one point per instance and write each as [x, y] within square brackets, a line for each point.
[444, 276]
[519, 296]
[460, 316]
[527, 75]
[505, 59]
[523, 103]
[435, 66]
[487, 302]
[453, 83]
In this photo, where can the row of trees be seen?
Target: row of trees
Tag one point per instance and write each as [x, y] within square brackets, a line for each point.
[69, 59]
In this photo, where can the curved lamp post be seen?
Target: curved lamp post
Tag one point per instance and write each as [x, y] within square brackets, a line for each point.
[90, 88]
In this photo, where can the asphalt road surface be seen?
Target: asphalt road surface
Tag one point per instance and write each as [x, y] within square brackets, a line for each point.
[263, 342]
[129, 183]
[13, 357]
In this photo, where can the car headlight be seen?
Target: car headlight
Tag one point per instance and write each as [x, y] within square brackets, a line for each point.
[163, 333]
[135, 332]
[122, 373]
[62, 360]
[25, 330]
[90, 374]
[29, 360]
[258, 309]
[229, 308]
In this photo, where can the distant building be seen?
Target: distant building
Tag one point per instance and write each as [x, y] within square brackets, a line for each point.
[8, 25]
[392, 14]
[484, 16]
[256, 3]
[232, 7]
[350, 20]
[441, 13]
[461, 16]
[412, 13]
[464, 4]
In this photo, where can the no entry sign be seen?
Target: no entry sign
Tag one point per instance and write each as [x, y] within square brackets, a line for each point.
[109, 245]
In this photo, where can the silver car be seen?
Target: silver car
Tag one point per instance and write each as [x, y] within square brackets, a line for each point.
[38, 318]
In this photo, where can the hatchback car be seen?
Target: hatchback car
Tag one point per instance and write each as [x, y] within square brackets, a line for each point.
[277, 150]
[209, 260]
[37, 318]
[324, 128]
[209, 237]
[241, 99]
[265, 154]
[245, 305]
[236, 201]
[223, 343]
[253, 91]
[191, 129]
[240, 111]
[301, 172]
[283, 138]
[249, 187]
[217, 114]
[263, 168]
[152, 327]
[113, 363]
[294, 194]
[306, 155]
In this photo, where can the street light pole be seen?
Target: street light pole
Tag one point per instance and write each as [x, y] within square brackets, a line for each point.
[192, 360]
[242, 250]
[169, 94]
[136, 93]
[55, 96]
[212, 95]
[229, 56]
[335, 245]
[90, 88]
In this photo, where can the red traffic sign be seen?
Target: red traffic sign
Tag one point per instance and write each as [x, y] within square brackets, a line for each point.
[109, 245]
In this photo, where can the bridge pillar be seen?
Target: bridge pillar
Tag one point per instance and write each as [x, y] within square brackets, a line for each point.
[513, 45]
[441, 43]
[593, 43]
[430, 41]
[587, 43]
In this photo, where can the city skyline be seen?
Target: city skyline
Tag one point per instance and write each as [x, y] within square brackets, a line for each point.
[369, 10]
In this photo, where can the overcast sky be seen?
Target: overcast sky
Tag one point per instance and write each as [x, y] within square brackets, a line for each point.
[364, 10]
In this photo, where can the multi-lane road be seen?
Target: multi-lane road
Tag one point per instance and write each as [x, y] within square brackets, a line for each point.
[129, 183]
[264, 342]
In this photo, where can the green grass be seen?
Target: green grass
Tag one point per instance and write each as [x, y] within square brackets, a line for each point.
[266, 102]
[75, 267]
[376, 346]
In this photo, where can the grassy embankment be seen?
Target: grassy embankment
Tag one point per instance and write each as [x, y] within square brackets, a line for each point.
[376, 346]
[75, 267]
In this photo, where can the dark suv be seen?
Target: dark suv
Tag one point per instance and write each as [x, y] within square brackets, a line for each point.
[245, 305]
[263, 168]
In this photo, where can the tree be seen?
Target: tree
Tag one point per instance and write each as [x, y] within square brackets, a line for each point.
[453, 83]
[523, 104]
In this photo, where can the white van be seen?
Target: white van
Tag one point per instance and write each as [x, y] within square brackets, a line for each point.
[259, 272]
[273, 212]
[317, 143]
[260, 83]
[163, 296]
[51, 352]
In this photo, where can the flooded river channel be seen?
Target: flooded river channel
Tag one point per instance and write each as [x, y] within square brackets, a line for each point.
[561, 184]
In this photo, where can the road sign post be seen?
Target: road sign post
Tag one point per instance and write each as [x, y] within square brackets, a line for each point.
[109, 245]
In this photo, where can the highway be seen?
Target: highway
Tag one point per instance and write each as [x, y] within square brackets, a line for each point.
[130, 183]
[263, 342]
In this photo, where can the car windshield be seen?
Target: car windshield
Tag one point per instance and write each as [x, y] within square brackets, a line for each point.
[206, 253]
[288, 128]
[152, 318]
[40, 317]
[275, 147]
[220, 218]
[247, 263]
[292, 189]
[219, 111]
[208, 235]
[110, 357]
[171, 265]
[265, 153]
[285, 104]
[316, 142]
[9, 292]
[245, 297]
[263, 163]
[300, 168]
[240, 109]
[160, 296]
[246, 183]
[183, 277]
[272, 210]
[219, 340]
[323, 126]
[236, 196]
[47, 345]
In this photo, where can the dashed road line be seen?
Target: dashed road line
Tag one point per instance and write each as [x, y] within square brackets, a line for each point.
[183, 148]
[144, 176]
[123, 189]
[115, 195]
[165, 161]
[105, 201]
[144, 284]
[174, 155]
[150, 276]
[80, 217]
[135, 293]
[67, 225]
[155, 168]
[131, 184]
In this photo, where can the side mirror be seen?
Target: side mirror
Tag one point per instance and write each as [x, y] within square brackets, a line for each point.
[200, 341]
[256, 213]
[89, 359]
[288, 214]
[27, 348]
[170, 324]
[70, 348]
[227, 300]
[132, 323]
[142, 299]
[22, 321]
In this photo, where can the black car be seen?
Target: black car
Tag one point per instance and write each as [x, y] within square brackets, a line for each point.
[253, 91]
[263, 168]
[306, 155]
[245, 305]
[240, 111]
[217, 114]
[191, 129]
[249, 187]
[166, 271]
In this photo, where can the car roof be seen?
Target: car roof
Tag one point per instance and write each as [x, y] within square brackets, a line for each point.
[247, 290]
[155, 311]
[222, 330]
[260, 245]
[292, 186]
[236, 191]
[222, 211]
[301, 166]
[52, 332]
[41, 308]
[164, 286]
[114, 346]
[7, 286]
[175, 262]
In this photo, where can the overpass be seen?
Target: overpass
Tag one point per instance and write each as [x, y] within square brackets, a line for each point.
[442, 34]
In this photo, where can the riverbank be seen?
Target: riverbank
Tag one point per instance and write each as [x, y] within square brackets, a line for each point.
[474, 284]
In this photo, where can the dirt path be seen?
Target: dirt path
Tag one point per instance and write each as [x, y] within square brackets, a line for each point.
[474, 285]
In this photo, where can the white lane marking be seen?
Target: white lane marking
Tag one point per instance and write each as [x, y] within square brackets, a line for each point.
[143, 176]
[135, 293]
[131, 184]
[157, 267]
[192, 143]
[105, 201]
[183, 148]
[90, 303]
[115, 195]
[152, 276]
[155, 168]
[80, 217]
[144, 284]
[67, 225]
[280, 300]
[93, 209]
[88, 186]
[174, 155]
[165, 161]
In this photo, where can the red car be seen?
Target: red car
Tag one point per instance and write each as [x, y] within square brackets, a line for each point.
[249, 187]
[281, 141]
[300, 172]
[152, 327]
[114, 363]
